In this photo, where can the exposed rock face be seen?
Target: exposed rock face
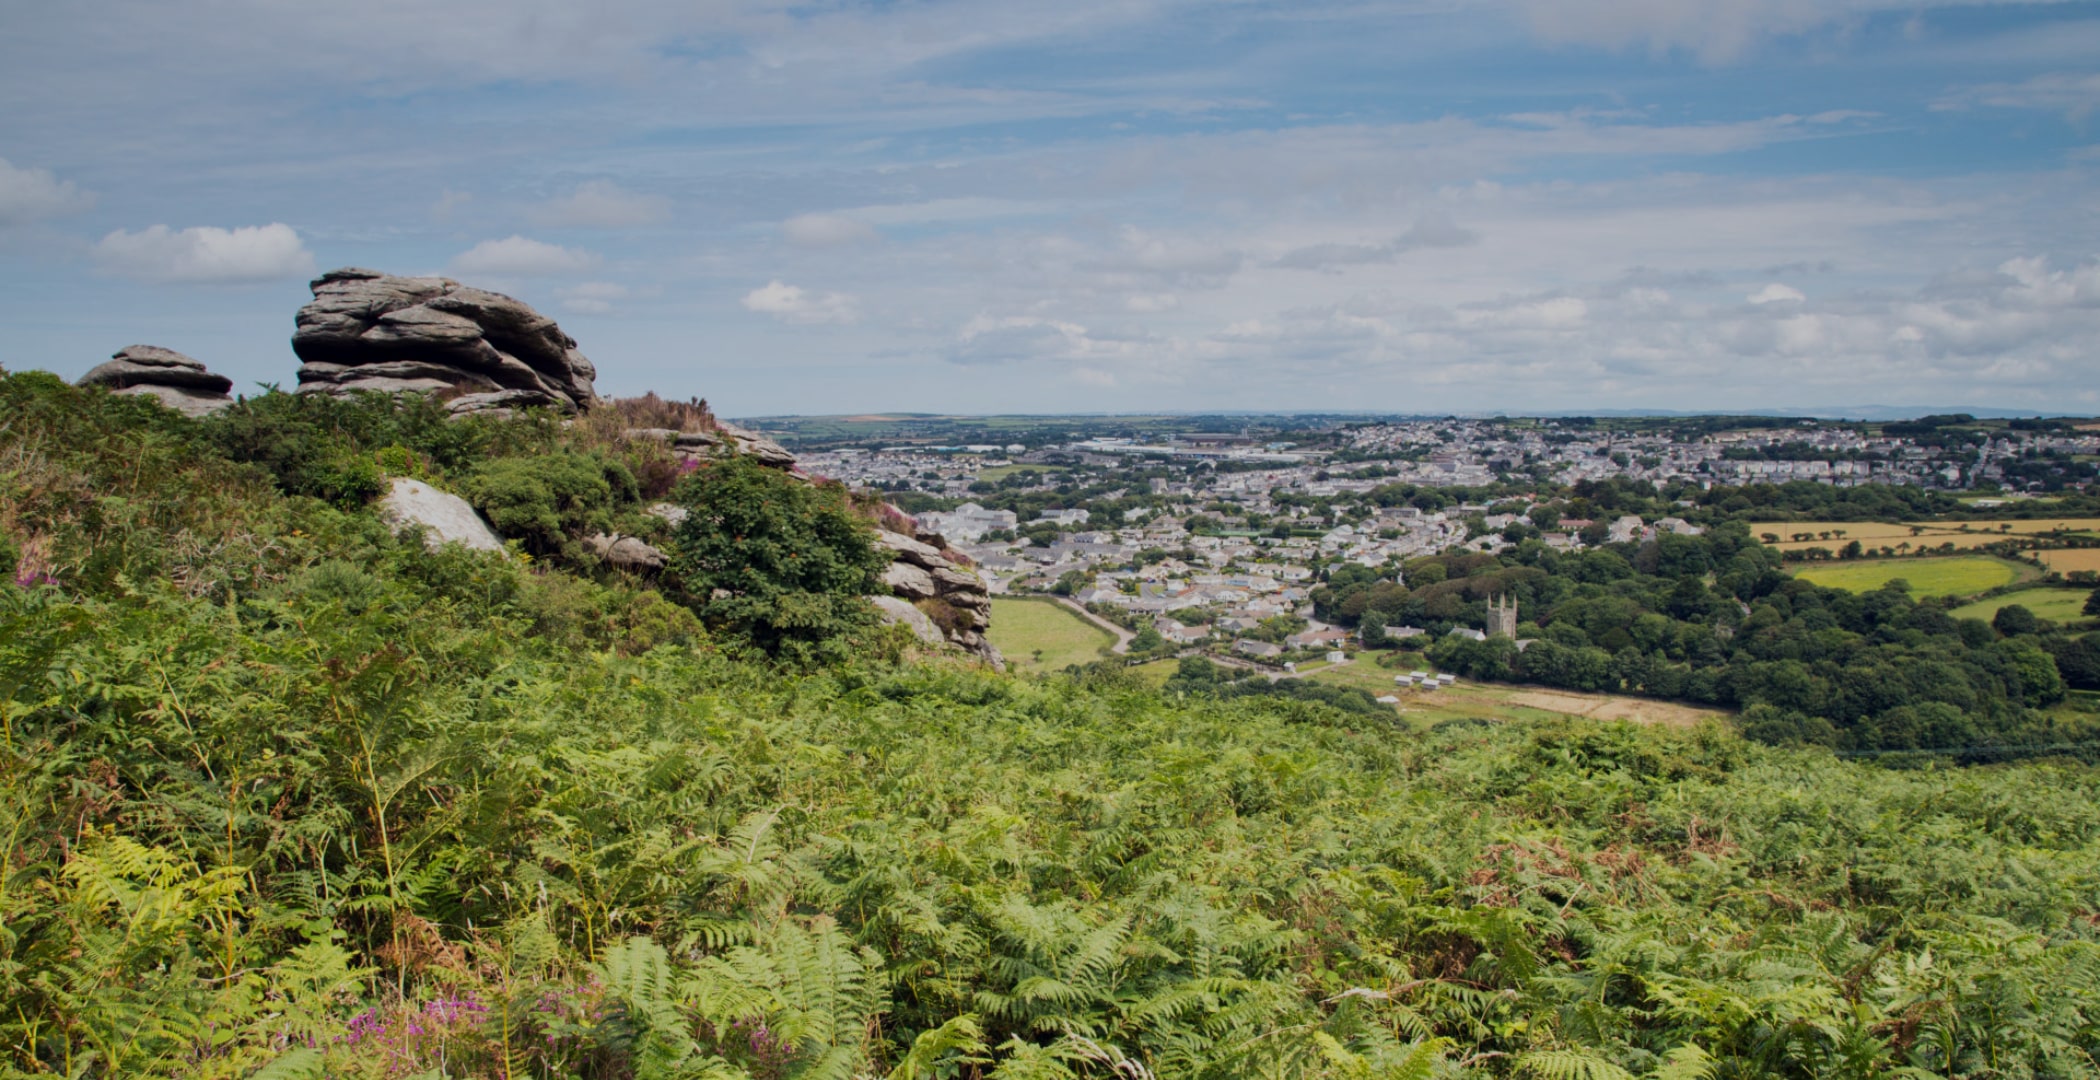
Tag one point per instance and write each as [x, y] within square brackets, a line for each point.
[630, 553]
[924, 572]
[179, 382]
[448, 518]
[366, 330]
[726, 438]
[892, 610]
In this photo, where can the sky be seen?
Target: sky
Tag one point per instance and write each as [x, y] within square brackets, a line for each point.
[1090, 206]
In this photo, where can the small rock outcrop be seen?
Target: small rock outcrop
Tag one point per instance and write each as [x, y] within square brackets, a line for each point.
[940, 587]
[629, 553]
[447, 518]
[725, 438]
[179, 382]
[366, 330]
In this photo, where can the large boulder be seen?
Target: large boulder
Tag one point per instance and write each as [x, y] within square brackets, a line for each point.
[446, 518]
[366, 330]
[630, 553]
[177, 381]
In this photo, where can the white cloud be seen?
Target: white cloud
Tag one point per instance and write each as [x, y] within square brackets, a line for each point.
[1435, 230]
[1096, 357]
[593, 297]
[2075, 95]
[1174, 260]
[448, 201]
[521, 256]
[1718, 31]
[1776, 293]
[1334, 256]
[34, 194]
[1548, 313]
[794, 304]
[1431, 230]
[602, 204]
[827, 231]
[206, 254]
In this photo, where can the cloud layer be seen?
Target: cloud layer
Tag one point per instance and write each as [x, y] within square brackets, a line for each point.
[34, 194]
[794, 304]
[206, 254]
[958, 204]
[519, 256]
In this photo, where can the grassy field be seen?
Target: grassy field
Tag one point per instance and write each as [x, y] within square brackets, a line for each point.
[1959, 576]
[1001, 472]
[1489, 701]
[1974, 532]
[1156, 673]
[2056, 605]
[1040, 635]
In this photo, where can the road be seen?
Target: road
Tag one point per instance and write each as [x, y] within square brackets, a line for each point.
[1123, 636]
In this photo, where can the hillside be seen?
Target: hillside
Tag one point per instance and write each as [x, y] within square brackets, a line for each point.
[287, 794]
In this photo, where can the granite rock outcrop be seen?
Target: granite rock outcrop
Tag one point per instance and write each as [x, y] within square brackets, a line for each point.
[366, 330]
[940, 585]
[723, 439]
[445, 518]
[179, 382]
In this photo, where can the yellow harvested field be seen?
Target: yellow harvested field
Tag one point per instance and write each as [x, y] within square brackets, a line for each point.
[2067, 560]
[1608, 707]
[1502, 701]
[1970, 533]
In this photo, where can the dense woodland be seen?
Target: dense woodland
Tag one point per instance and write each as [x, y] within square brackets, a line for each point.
[1711, 619]
[286, 795]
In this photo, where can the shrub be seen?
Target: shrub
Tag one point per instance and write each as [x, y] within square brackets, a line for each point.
[772, 559]
[950, 619]
[550, 500]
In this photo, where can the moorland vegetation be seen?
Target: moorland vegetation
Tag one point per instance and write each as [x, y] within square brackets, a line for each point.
[285, 794]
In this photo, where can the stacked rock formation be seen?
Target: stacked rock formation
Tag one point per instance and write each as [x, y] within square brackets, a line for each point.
[179, 382]
[366, 330]
[941, 588]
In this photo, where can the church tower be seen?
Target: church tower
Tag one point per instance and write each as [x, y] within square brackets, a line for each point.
[1502, 617]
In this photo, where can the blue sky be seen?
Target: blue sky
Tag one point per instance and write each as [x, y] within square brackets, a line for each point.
[1091, 206]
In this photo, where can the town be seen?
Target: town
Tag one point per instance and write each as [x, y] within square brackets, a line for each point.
[1219, 538]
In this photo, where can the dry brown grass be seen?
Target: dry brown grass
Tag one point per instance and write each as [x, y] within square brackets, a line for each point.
[2068, 560]
[1971, 533]
[1607, 707]
[652, 411]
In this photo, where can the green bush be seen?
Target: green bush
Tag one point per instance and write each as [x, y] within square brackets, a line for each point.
[779, 562]
[550, 500]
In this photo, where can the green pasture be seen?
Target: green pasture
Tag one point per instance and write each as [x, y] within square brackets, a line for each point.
[1961, 575]
[1001, 472]
[1156, 673]
[1022, 629]
[2056, 605]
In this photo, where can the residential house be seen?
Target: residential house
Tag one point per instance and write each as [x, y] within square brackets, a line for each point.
[1313, 639]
